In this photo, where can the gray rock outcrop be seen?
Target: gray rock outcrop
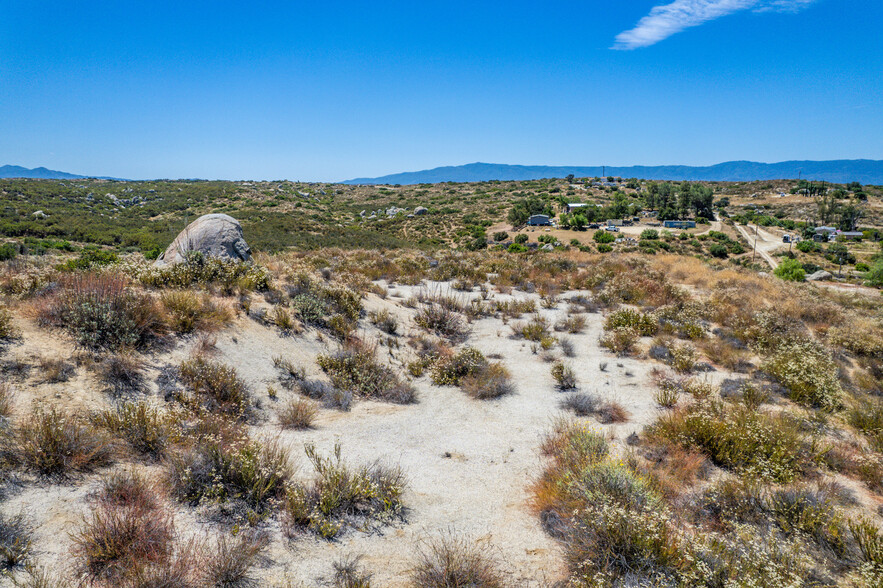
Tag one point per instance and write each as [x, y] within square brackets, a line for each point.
[214, 235]
[819, 275]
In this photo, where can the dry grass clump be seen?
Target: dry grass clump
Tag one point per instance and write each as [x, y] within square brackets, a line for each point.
[491, 381]
[514, 308]
[443, 321]
[583, 404]
[224, 464]
[52, 443]
[5, 399]
[148, 430]
[349, 574]
[126, 530]
[298, 414]
[341, 494]
[537, 329]
[866, 415]
[573, 324]
[567, 347]
[55, 370]
[861, 337]
[329, 395]
[289, 374]
[355, 367]
[564, 376]
[101, 311]
[455, 562]
[230, 563]
[218, 384]
[186, 312]
[667, 394]
[123, 373]
[15, 542]
[384, 321]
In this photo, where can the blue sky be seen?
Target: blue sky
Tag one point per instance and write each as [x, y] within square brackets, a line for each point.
[334, 90]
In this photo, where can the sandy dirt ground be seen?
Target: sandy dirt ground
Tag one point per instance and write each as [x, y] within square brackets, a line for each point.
[469, 463]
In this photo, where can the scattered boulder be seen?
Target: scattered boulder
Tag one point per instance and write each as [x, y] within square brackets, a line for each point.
[39, 214]
[421, 210]
[214, 235]
[819, 275]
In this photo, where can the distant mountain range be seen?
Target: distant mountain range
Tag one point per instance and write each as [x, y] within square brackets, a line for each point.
[866, 171]
[16, 171]
[841, 171]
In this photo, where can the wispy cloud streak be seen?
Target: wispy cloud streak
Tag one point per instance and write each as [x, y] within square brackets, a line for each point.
[666, 20]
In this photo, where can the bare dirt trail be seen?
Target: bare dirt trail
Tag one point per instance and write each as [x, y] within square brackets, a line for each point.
[766, 245]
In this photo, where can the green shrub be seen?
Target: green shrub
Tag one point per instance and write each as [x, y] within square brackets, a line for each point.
[441, 320]
[355, 368]
[651, 234]
[89, 258]
[102, 311]
[808, 246]
[565, 378]
[718, 250]
[229, 466]
[449, 370]
[340, 492]
[205, 271]
[790, 270]
[874, 277]
[147, 429]
[756, 444]
[604, 248]
[8, 330]
[218, 384]
[621, 340]
[808, 373]
[603, 237]
[646, 325]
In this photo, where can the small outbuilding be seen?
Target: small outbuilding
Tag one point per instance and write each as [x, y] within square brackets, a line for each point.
[539, 220]
[679, 224]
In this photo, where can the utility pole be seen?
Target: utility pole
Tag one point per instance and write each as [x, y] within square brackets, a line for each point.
[754, 251]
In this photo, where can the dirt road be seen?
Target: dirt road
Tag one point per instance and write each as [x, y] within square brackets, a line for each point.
[767, 243]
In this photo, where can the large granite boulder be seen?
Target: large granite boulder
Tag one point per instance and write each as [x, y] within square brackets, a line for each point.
[819, 275]
[214, 235]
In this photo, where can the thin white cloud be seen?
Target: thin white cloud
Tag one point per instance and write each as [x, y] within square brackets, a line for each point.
[666, 20]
